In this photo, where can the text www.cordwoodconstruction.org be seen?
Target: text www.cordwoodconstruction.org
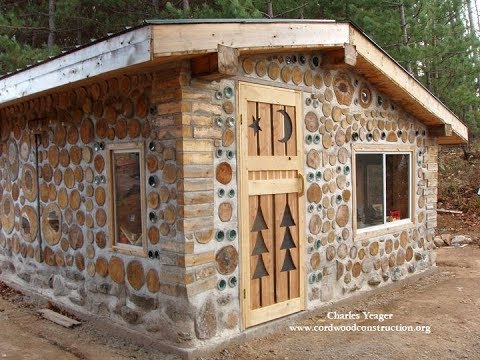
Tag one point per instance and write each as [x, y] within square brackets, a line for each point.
[364, 315]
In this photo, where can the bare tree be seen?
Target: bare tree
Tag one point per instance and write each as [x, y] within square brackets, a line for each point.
[403, 24]
[156, 5]
[473, 33]
[270, 9]
[478, 16]
[470, 17]
[51, 23]
[186, 5]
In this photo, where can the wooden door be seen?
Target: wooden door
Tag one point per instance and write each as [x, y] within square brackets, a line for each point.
[271, 202]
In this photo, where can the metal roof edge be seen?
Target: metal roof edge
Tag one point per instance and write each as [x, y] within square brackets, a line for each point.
[76, 48]
[232, 21]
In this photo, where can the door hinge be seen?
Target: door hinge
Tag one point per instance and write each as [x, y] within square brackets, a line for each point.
[241, 119]
[244, 293]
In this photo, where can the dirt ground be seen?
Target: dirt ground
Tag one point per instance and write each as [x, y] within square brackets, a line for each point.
[25, 335]
[447, 300]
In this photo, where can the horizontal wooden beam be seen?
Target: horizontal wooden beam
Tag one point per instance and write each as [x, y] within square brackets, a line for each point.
[340, 58]
[274, 186]
[174, 39]
[440, 130]
[217, 65]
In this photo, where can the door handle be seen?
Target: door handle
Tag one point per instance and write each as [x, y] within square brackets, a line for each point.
[301, 185]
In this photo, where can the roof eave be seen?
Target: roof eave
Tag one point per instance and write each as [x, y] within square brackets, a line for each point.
[158, 41]
[125, 49]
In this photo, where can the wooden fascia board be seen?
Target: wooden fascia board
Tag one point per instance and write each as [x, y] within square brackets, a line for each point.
[392, 72]
[118, 52]
[180, 39]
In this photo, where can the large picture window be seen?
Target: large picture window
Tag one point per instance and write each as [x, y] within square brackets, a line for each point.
[127, 198]
[383, 189]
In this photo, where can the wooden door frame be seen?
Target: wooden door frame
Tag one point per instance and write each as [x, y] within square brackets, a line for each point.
[279, 309]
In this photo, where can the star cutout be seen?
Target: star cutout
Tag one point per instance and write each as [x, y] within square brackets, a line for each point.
[255, 125]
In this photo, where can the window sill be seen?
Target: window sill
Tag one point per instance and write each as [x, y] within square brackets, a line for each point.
[384, 230]
[129, 251]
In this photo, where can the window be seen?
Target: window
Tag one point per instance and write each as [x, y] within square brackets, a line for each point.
[127, 198]
[383, 189]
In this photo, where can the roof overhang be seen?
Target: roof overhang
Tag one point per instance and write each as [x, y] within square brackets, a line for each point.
[165, 41]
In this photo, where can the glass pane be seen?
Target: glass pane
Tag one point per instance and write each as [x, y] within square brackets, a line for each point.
[128, 205]
[397, 188]
[369, 190]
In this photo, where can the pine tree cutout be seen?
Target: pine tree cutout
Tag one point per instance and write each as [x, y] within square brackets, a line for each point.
[260, 247]
[287, 243]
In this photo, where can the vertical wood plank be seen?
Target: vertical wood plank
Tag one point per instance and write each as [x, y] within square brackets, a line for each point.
[277, 131]
[294, 275]
[300, 200]
[251, 138]
[265, 149]
[254, 283]
[281, 285]
[268, 282]
[265, 135]
[292, 143]
[280, 201]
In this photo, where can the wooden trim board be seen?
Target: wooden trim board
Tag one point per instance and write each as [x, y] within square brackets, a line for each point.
[110, 150]
[381, 149]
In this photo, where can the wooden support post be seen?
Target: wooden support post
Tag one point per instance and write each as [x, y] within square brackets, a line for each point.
[440, 130]
[228, 60]
[339, 58]
[217, 65]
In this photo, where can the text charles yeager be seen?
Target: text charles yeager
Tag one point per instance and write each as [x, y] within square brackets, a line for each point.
[363, 315]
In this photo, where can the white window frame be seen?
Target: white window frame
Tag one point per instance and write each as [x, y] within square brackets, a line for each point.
[386, 227]
[111, 149]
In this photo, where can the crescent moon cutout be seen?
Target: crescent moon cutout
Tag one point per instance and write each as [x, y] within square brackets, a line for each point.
[287, 126]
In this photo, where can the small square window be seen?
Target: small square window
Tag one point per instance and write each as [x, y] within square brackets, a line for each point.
[127, 198]
[383, 189]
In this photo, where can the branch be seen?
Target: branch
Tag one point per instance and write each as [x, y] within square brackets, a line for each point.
[23, 27]
[295, 8]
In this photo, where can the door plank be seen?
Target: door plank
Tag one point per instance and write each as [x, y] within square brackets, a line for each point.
[294, 288]
[268, 282]
[251, 138]
[259, 163]
[254, 283]
[265, 135]
[292, 143]
[265, 149]
[273, 186]
[281, 285]
[279, 148]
